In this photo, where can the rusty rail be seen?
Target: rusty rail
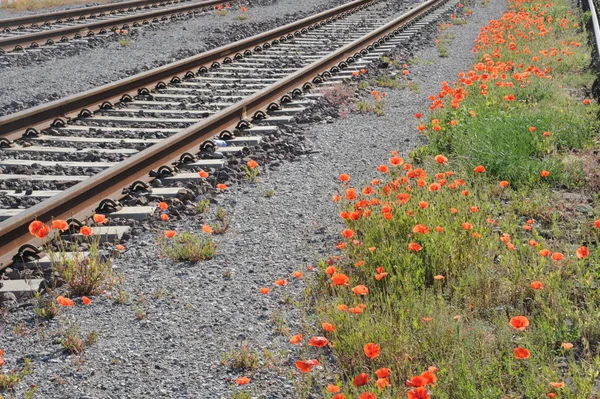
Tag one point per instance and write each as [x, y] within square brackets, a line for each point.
[78, 12]
[9, 43]
[80, 200]
[13, 126]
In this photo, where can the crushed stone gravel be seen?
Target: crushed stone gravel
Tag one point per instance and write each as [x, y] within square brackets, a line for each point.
[197, 312]
[83, 67]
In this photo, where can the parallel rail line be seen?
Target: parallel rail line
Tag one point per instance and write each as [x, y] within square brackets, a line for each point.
[214, 93]
[48, 29]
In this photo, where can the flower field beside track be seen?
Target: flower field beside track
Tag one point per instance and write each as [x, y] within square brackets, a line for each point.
[470, 271]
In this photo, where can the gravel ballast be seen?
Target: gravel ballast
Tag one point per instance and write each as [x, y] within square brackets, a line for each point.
[197, 312]
[83, 67]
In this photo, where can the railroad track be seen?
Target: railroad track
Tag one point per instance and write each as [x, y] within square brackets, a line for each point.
[72, 157]
[51, 30]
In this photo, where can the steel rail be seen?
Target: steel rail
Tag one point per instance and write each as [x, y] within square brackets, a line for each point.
[80, 200]
[13, 126]
[595, 24]
[88, 29]
[78, 12]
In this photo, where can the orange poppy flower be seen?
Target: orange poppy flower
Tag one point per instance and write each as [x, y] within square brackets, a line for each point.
[221, 186]
[60, 224]
[355, 73]
[367, 395]
[383, 169]
[344, 177]
[418, 115]
[360, 380]
[504, 183]
[551, 395]
[347, 233]
[467, 226]
[86, 300]
[582, 252]
[170, 233]
[355, 310]
[557, 385]
[383, 372]
[163, 205]
[531, 129]
[453, 210]
[438, 277]
[587, 101]
[164, 217]
[544, 173]
[423, 204]
[420, 229]
[544, 252]
[533, 243]
[429, 376]
[281, 283]
[519, 323]
[339, 396]
[342, 307]
[372, 350]
[35, 227]
[243, 9]
[340, 279]
[413, 246]
[441, 159]
[318, 342]
[330, 270]
[207, 229]
[306, 365]
[565, 345]
[333, 388]
[85, 231]
[264, 290]
[336, 198]
[439, 229]
[556, 256]
[203, 174]
[479, 169]
[328, 327]
[474, 209]
[242, 380]
[403, 198]
[536, 285]
[363, 71]
[418, 393]
[521, 353]
[252, 164]
[360, 290]
[298, 274]
[296, 339]
[120, 247]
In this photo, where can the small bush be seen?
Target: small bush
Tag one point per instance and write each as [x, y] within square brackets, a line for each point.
[187, 247]
[74, 343]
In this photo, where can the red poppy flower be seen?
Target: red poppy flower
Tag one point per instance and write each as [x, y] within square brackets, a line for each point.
[85, 300]
[479, 169]
[264, 290]
[413, 246]
[242, 380]
[416, 381]
[519, 323]
[372, 350]
[328, 327]
[281, 283]
[556, 256]
[60, 224]
[340, 279]
[583, 252]
[306, 365]
[85, 231]
[344, 177]
[203, 174]
[170, 233]
[383, 372]
[536, 285]
[441, 159]
[521, 353]
[296, 339]
[418, 393]
[504, 183]
[333, 388]
[318, 342]
[360, 380]
[367, 395]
